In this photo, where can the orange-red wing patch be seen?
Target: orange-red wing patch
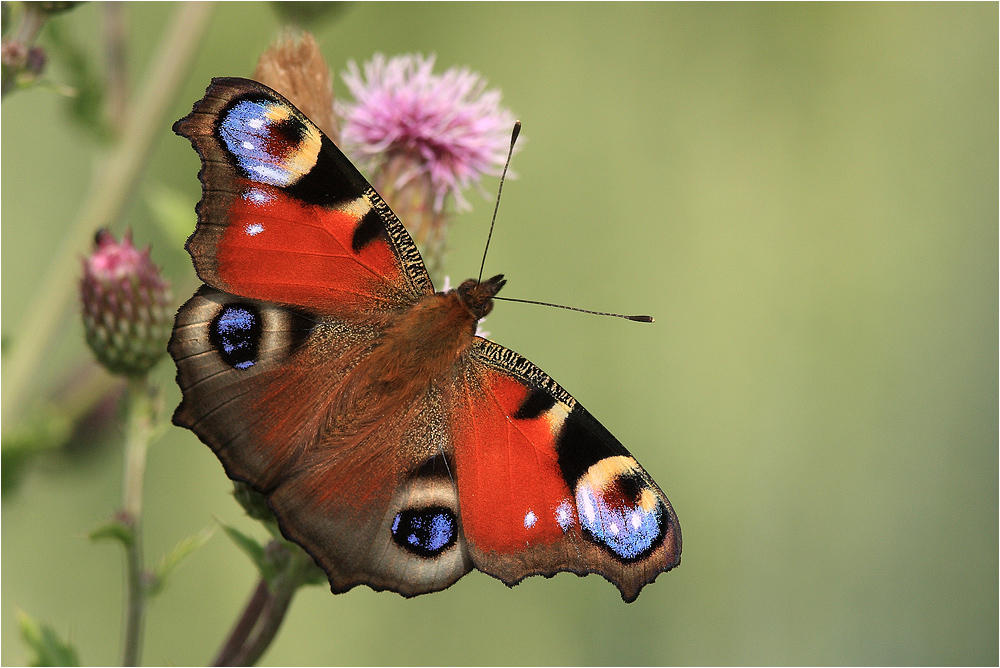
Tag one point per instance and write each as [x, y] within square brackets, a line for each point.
[511, 491]
[281, 249]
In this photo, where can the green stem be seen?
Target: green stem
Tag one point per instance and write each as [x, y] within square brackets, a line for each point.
[265, 611]
[273, 615]
[112, 182]
[414, 204]
[139, 432]
[136, 606]
[245, 625]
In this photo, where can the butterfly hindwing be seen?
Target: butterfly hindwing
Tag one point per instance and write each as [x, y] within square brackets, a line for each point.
[544, 487]
[372, 502]
[240, 364]
[405, 535]
[285, 217]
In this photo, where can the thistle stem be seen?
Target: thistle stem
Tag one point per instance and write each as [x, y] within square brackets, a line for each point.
[112, 181]
[136, 605]
[264, 612]
[414, 203]
[241, 631]
[139, 431]
[270, 621]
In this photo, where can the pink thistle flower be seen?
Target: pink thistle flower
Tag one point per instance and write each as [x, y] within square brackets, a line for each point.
[447, 127]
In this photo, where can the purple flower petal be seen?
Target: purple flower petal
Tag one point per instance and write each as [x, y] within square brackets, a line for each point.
[449, 126]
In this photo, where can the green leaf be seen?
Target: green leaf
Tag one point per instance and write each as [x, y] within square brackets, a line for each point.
[46, 647]
[272, 528]
[4, 19]
[171, 560]
[312, 574]
[114, 530]
[46, 429]
[253, 549]
[172, 211]
[13, 466]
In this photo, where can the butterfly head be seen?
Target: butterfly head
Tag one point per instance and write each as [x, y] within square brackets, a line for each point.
[478, 295]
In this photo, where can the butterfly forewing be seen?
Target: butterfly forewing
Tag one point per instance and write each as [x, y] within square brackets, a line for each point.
[285, 217]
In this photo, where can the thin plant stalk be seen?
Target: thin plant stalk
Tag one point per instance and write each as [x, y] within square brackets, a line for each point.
[139, 432]
[265, 610]
[244, 625]
[270, 621]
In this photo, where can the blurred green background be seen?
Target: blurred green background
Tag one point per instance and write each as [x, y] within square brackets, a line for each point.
[805, 196]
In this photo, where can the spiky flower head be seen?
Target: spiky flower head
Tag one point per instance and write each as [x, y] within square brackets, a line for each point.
[450, 127]
[425, 137]
[126, 306]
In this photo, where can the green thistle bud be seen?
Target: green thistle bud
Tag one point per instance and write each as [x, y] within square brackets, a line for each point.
[253, 502]
[126, 306]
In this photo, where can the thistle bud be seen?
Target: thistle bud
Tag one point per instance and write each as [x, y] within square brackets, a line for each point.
[295, 68]
[253, 502]
[126, 306]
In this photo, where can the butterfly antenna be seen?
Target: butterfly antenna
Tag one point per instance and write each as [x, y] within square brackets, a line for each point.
[633, 318]
[513, 138]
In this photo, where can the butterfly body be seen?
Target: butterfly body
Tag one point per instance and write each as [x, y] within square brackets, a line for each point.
[396, 446]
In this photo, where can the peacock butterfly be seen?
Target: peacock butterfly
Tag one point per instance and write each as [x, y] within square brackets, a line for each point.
[392, 443]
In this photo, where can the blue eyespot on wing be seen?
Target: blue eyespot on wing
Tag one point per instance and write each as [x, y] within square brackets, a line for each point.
[425, 532]
[235, 333]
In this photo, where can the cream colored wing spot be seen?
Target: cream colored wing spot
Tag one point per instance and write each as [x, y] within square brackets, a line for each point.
[555, 417]
[357, 208]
